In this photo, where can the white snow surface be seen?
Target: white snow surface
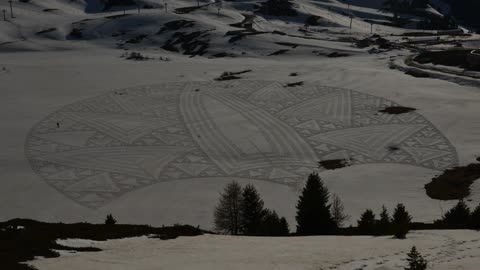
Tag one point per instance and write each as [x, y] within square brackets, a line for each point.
[45, 76]
[444, 250]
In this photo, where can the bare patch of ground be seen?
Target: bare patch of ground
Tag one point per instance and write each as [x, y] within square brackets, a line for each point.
[454, 183]
[333, 164]
[226, 76]
[397, 110]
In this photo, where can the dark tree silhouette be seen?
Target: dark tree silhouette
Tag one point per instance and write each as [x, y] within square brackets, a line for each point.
[366, 223]
[273, 225]
[415, 260]
[458, 217]
[251, 211]
[401, 222]
[475, 219]
[338, 211]
[384, 223]
[227, 212]
[109, 220]
[313, 211]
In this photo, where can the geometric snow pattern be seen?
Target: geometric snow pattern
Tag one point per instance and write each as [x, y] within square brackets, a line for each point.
[109, 145]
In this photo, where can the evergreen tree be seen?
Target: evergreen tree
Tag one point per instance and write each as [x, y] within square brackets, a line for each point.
[415, 260]
[251, 211]
[401, 222]
[385, 222]
[458, 217]
[313, 211]
[338, 211]
[366, 224]
[272, 225]
[475, 219]
[283, 227]
[227, 212]
[109, 220]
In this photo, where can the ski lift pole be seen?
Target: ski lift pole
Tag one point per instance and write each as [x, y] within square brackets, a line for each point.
[11, 8]
[219, 4]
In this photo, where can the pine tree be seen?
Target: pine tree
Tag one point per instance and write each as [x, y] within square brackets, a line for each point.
[385, 222]
[458, 217]
[109, 220]
[273, 225]
[283, 228]
[366, 224]
[401, 222]
[415, 260]
[338, 211]
[475, 219]
[313, 211]
[251, 211]
[227, 212]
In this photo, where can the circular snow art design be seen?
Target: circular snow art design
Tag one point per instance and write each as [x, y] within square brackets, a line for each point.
[98, 149]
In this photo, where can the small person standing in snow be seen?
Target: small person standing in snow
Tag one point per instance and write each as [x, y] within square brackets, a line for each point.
[58, 124]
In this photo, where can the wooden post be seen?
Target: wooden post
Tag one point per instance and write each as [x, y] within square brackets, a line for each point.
[371, 28]
[351, 20]
[4, 15]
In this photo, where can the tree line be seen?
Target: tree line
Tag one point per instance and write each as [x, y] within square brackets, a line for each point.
[241, 211]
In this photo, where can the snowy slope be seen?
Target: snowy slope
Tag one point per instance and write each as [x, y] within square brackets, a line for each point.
[47, 72]
[444, 250]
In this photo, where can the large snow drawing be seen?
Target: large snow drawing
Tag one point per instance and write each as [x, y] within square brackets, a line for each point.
[98, 149]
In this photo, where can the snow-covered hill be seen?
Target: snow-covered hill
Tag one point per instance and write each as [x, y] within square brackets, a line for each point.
[61, 62]
[444, 250]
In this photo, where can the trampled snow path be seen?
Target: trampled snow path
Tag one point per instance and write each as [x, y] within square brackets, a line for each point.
[443, 249]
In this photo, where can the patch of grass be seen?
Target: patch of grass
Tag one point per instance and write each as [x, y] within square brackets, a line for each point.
[294, 84]
[225, 76]
[137, 39]
[194, 43]
[279, 52]
[417, 73]
[397, 110]
[22, 240]
[333, 164]
[175, 25]
[454, 183]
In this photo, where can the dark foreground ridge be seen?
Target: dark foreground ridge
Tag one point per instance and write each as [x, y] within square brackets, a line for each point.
[22, 240]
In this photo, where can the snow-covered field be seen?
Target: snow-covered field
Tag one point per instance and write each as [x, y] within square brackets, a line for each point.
[155, 141]
[444, 250]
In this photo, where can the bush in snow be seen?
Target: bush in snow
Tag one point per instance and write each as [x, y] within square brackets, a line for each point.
[415, 260]
[109, 220]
